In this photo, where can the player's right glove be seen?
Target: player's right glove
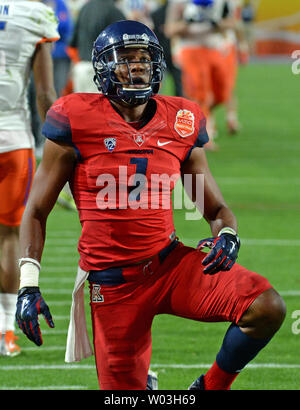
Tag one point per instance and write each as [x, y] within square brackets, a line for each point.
[30, 304]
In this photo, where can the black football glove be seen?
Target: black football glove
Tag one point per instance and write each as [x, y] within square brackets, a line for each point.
[30, 304]
[223, 254]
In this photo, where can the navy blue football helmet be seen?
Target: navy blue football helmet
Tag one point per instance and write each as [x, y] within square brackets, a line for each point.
[112, 40]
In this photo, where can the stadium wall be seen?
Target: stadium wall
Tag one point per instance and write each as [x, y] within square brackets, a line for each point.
[277, 27]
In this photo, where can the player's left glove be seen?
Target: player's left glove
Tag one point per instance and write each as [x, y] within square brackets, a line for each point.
[30, 304]
[224, 251]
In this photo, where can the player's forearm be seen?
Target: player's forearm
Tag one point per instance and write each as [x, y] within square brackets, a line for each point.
[44, 100]
[32, 235]
[42, 66]
[176, 28]
[32, 239]
[174, 23]
[224, 217]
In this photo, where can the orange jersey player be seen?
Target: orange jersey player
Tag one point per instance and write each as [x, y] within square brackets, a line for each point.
[204, 41]
[27, 29]
[118, 149]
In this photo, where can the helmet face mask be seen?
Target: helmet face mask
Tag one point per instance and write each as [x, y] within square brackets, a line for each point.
[128, 62]
[130, 67]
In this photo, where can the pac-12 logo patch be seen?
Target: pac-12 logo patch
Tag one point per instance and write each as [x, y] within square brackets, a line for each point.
[184, 123]
[110, 143]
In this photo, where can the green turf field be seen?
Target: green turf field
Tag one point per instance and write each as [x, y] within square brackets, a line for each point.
[258, 172]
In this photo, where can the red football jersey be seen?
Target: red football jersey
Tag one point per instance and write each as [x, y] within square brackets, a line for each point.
[124, 177]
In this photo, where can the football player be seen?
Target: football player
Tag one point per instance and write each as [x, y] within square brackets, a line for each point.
[113, 147]
[205, 33]
[27, 30]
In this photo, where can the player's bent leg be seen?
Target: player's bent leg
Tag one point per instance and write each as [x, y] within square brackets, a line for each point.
[9, 246]
[9, 280]
[264, 316]
[122, 339]
[243, 341]
[244, 298]
[16, 173]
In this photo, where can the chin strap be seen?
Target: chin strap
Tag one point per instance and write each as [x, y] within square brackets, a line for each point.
[134, 96]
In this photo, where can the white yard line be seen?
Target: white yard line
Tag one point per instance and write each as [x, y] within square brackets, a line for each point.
[60, 302]
[58, 249]
[153, 366]
[55, 279]
[55, 259]
[257, 181]
[57, 242]
[48, 291]
[289, 292]
[48, 332]
[61, 317]
[252, 242]
[271, 242]
[61, 269]
[63, 247]
[62, 234]
[60, 387]
[44, 348]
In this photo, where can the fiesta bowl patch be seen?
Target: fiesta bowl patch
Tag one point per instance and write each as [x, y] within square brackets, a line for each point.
[184, 123]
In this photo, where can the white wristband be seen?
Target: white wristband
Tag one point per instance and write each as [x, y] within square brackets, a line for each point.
[34, 261]
[29, 275]
[227, 229]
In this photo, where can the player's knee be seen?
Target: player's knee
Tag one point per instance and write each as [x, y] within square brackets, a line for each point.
[265, 315]
[121, 364]
[275, 309]
[127, 374]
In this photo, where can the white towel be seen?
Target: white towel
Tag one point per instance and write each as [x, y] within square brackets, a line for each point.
[78, 342]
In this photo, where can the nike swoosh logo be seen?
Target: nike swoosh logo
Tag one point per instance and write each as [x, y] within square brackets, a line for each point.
[161, 144]
[233, 246]
[24, 306]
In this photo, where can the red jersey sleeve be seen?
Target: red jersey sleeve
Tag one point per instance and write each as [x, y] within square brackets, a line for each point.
[201, 138]
[57, 124]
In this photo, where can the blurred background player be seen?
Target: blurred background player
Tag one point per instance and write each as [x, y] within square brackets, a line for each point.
[138, 10]
[93, 17]
[158, 16]
[61, 68]
[248, 13]
[26, 30]
[236, 53]
[61, 59]
[204, 39]
[61, 72]
[153, 14]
